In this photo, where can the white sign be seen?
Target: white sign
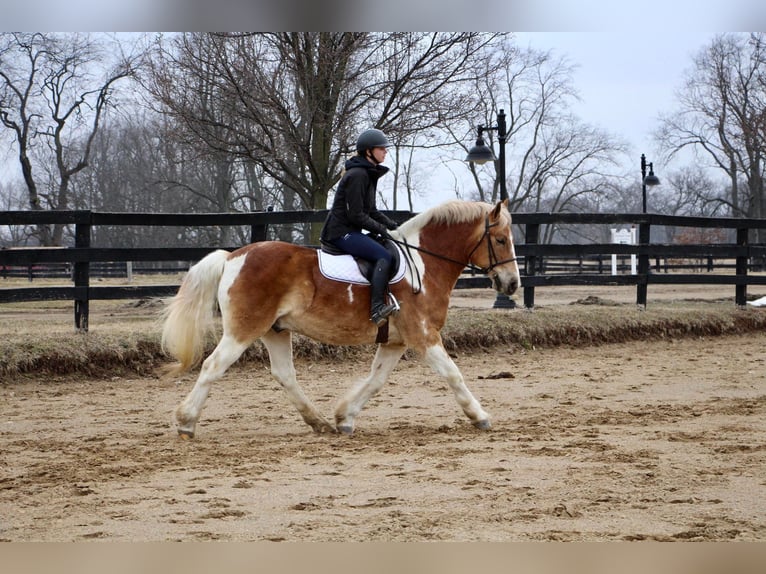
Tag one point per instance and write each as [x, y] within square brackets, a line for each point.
[624, 237]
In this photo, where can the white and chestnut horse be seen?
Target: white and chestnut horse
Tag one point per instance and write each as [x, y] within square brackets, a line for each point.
[269, 290]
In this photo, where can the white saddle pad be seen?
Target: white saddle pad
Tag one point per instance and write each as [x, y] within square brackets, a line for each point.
[344, 268]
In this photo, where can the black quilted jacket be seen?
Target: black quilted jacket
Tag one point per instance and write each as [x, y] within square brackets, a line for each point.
[353, 208]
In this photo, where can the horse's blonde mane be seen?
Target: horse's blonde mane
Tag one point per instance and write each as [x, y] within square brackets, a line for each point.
[451, 212]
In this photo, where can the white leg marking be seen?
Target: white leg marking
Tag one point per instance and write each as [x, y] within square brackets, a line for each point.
[280, 350]
[226, 352]
[384, 362]
[441, 362]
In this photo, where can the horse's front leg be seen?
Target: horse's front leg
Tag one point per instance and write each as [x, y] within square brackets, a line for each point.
[280, 348]
[441, 362]
[385, 360]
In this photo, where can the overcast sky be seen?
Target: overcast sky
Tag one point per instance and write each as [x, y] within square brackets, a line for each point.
[625, 79]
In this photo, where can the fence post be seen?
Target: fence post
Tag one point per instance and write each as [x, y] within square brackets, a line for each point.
[644, 235]
[740, 298]
[257, 233]
[531, 237]
[260, 232]
[81, 277]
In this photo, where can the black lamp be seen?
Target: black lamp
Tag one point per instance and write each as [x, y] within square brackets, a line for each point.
[650, 180]
[480, 153]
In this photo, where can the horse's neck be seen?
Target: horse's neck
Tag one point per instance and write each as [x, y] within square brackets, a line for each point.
[449, 251]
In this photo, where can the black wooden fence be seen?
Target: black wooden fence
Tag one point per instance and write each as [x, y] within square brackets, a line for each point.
[533, 253]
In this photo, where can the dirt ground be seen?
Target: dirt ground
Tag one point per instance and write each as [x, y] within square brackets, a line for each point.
[640, 441]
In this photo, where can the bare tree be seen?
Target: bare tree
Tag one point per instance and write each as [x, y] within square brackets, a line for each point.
[721, 117]
[688, 191]
[54, 92]
[268, 98]
[294, 102]
[12, 198]
[555, 162]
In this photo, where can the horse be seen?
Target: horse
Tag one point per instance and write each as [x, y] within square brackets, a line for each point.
[271, 289]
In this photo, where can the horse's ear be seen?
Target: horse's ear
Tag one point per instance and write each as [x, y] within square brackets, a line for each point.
[499, 208]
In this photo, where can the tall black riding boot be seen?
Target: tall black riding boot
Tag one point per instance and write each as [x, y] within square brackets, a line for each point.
[379, 310]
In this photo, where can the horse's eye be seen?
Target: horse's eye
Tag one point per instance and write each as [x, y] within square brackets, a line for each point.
[501, 240]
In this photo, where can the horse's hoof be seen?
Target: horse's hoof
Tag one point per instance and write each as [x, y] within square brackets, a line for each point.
[483, 425]
[323, 427]
[185, 435]
[347, 430]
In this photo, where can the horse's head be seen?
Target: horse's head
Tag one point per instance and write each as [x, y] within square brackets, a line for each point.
[494, 253]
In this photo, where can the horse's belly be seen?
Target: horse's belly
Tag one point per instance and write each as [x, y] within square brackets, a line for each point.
[332, 333]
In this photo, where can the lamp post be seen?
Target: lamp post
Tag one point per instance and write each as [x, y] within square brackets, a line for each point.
[643, 231]
[481, 153]
[650, 180]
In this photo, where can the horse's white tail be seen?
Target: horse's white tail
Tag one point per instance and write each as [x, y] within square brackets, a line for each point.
[188, 318]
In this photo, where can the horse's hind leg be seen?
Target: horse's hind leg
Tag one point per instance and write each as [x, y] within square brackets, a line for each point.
[385, 360]
[441, 362]
[226, 352]
[280, 350]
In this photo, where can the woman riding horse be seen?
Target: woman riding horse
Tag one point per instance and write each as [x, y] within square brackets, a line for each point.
[353, 210]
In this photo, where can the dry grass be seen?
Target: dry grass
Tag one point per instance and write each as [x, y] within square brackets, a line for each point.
[39, 339]
[581, 325]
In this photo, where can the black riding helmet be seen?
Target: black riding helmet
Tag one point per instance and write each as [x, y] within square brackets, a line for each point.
[369, 139]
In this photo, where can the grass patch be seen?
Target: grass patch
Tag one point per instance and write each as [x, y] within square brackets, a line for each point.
[124, 338]
[578, 325]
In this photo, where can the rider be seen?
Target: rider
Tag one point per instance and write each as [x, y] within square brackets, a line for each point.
[354, 210]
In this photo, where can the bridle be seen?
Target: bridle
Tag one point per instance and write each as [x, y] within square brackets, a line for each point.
[493, 261]
[491, 255]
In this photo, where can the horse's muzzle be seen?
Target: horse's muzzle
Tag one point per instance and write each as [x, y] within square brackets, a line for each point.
[508, 286]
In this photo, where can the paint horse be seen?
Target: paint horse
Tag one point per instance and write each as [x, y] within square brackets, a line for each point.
[271, 289]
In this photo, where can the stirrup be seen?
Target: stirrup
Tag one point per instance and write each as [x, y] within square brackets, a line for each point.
[381, 314]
